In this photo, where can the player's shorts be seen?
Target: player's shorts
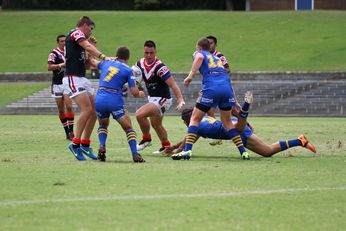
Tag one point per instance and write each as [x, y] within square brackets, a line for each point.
[163, 104]
[216, 96]
[57, 90]
[109, 103]
[75, 85]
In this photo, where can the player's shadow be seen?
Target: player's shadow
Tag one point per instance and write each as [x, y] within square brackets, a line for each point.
[225, 158]
[118, 161]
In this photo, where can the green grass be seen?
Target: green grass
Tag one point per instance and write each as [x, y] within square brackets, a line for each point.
[45, 188]
[10, 92]
[271, 41]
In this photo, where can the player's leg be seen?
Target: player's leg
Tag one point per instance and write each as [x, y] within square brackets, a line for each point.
[192, 133]
[142, 115]
[62, 116]
[233, 133]
[156, 123]
[257, 145]
[248, 100]
[300, 141]
[243, 114]
[69, 115]
[83, 102]
[102, 133]
[126, 125]
[89, 126]
[211, 112]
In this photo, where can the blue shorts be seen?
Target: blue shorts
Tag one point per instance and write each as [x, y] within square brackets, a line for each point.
[109, 103]
[217, 96]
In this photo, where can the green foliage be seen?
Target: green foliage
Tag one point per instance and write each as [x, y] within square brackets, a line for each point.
[147, 4]
[45, 188]
[10, 92]
[252, 41]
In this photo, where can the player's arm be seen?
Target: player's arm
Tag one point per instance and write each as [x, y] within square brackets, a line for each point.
[137, 93]
[175, 88]
[133, 87]
[92, 49]
[53, 67]
[197, 62]
[93, 62]
[175, 148]
[178, 147]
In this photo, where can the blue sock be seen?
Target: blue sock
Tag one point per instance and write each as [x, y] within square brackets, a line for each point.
[235, 137]
[132, 140]
[102, 133]
[285, 144]
[191, 137]
[244, 111]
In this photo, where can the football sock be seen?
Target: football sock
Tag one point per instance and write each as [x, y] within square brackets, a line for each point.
[132, 140]
[244, 111]
[76, 142]
[166, 143]
[191, 137]
[285, 144]
[235, 137]
[70, 121]
[64, 123]
[85, 142]
[146, 137]
[102, 133]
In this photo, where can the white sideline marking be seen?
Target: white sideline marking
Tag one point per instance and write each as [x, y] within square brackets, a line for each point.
[167, 196]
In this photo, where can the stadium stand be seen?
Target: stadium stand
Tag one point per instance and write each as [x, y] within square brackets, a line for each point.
[279, 94]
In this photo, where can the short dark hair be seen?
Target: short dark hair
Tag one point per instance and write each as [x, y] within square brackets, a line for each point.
[204, 44]
[85, 20]
[186, 115]
[60, 36]
[149, 43]
[123, 53]
[212, 38]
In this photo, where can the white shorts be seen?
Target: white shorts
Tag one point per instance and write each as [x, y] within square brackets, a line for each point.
[74, 85]
[163, 104]
[58, 91]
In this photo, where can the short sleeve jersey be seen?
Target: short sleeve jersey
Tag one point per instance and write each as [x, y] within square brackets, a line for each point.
[155, 76]
[115, 74]
[75, 54]
[212, 69]
[56, 56]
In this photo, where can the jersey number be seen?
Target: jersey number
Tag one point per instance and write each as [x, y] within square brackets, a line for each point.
[112, 72]
[212, 63]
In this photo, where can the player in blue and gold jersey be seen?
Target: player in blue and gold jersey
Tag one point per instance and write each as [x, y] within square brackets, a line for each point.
[216, 92]
[209, 127]
[109, 100]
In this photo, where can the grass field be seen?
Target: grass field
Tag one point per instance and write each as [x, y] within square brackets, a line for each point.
[44, 188]
[252, 41]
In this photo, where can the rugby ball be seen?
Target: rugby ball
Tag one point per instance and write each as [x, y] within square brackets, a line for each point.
[137, 73]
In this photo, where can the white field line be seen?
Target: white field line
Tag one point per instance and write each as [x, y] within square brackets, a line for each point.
[166, 197]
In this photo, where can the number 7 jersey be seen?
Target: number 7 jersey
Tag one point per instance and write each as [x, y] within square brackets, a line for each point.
[115, 74]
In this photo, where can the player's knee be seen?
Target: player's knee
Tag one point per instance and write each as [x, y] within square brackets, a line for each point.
[156, 126]
[69, 109]
[61, 111]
